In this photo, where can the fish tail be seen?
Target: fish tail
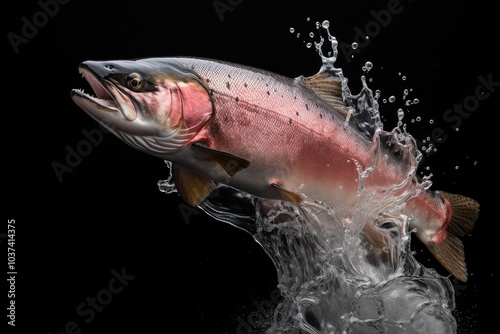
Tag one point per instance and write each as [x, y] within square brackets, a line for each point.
[450, 251]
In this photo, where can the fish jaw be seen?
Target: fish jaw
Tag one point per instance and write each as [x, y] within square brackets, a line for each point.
[143, 106]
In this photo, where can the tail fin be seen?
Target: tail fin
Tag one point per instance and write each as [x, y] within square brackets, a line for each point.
[450, 252]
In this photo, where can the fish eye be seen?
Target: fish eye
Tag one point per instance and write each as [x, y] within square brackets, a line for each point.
[134, 81]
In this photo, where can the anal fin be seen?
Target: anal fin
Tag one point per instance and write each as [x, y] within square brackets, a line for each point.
[288, 194]
[191, 186]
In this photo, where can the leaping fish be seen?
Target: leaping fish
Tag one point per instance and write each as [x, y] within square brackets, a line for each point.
[266, 134]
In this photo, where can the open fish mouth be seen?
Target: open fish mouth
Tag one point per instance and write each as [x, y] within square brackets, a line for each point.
[108, 97]
[102, 99]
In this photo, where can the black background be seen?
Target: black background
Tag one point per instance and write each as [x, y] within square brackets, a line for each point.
[196, 274]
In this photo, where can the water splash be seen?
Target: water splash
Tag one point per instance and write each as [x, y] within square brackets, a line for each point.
[332, 277]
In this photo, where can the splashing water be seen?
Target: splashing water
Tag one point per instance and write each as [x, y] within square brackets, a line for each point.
[331, 278]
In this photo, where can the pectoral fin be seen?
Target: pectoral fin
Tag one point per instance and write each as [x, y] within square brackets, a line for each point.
[191, 186]
[232, 164]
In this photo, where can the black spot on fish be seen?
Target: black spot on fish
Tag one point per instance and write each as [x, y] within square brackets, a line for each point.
[245, 84]
[297, 113]
[289, 121]
[320, 115]
[237, 99]
[207, 80]
[268, 93]
[307, 106]
[229, 75]
[228, 85]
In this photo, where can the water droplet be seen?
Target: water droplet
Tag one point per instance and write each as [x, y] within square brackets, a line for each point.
[457, 129]
[456, 167]
[292, 30]
[431, 121]
[311, 34]
[354, 45]
[308, 19]
[326, 24]
[403, 77]
[401, 114]
[368, 66]
[408, 102]
[475, 163]
[384, 101]
[418, 118]
[298, 34]
[392, 98]
[308, 45]
[416, 101]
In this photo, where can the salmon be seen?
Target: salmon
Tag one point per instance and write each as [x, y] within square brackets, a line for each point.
[266, 134]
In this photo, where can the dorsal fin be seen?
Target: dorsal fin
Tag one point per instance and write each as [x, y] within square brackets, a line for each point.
[329, 88]
[358, 109]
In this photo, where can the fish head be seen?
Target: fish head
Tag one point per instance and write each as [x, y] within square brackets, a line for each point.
[151, 104]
